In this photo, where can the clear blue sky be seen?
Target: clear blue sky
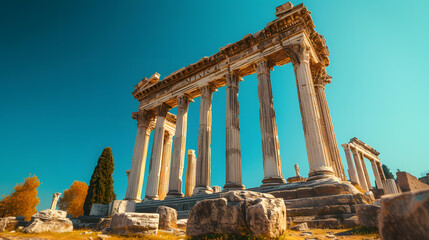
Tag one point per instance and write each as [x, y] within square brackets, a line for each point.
[67, 70]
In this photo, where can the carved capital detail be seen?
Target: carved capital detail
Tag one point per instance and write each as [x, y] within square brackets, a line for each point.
[207, 90]
[297, 53]
[162, 110]
[232, 80]
[262, 67]
[144, 117]
[320, 77]
[168, 137]
[183, 101]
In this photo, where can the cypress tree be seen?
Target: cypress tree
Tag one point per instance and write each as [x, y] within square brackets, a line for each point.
[387, 172]
[101, 185]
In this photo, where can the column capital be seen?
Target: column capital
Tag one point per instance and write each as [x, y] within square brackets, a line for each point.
[262, 66]
[183, 101]
[232, 79]
[162, 110]
[320, 77]
[207, 90]
[144, 117]
[168, 136]
[298, 53]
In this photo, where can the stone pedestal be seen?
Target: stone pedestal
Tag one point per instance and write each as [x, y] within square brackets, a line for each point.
[156, 157]
[270, 141]
[233, 148]
[179, 148]
[204, 140]
[190, 173]
[138, 163]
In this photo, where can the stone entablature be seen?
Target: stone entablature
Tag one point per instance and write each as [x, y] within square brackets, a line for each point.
[280, 42]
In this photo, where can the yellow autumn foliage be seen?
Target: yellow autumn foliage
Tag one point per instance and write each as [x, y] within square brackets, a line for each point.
[23, 201]
[73, 198]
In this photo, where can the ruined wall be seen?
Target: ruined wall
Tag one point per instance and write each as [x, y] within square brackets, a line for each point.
[425, 179]
[409, 183]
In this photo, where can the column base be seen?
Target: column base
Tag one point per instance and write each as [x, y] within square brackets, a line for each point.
[133, 199]
[171, 195]
[155, 197]
[233, 186]
[203, 190]
[320, 173]
[272, 181]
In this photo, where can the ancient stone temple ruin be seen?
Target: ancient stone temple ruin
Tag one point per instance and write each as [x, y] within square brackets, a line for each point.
[290, 38]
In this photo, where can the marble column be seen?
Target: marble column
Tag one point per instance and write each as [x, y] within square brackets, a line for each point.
[190, 173]
[359, 169]
[138, 162]
[270, 141]
[389, 186]
[233, 148]
[351, 168]
[331, 140]
[376, 174]
[365, 171]
[380, 171]
[156, 157]
[204, 139]
[164, 175]
[179, 148]
[316, 151]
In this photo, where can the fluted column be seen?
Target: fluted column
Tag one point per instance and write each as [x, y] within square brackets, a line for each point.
[190, 173]
[359, 169]
[138, 162]
[365, 171]
[389, 186]
[233, 148]
[331, 140]
[164, 175]
[376, 174]
[316, 151]
[179, 145]
[351, 168]
[156, 157]
[270, 141]
[204, 140]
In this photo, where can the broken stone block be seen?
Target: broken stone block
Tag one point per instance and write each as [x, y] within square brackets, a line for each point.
[121, 206]
[405, 216]
[49, 221]
[134, 223]
[300, 227]
[99, 210]
[167, 217]
[367, 214]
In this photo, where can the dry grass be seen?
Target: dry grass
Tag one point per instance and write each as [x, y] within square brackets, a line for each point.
[348, 234]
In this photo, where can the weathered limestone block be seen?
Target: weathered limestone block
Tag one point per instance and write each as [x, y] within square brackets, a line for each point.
[8, 224]
[236, 212]
[300, 227]
[121, 206]
[167, 217]
[216, 189]
[49, 221]
[102, 224]
[367, 214]
[405, 216]
[181, 223]
[99, 210]
[134, 223]
[266, 217]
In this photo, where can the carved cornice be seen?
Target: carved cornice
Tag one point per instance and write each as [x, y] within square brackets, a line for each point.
[290, 21]
[363, 145]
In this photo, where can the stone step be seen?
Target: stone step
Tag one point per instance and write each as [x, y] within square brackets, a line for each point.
[324, 210]
[345, 199]
[327, 221]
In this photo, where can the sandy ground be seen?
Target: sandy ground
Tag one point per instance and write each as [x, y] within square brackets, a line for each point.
[288, 235]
